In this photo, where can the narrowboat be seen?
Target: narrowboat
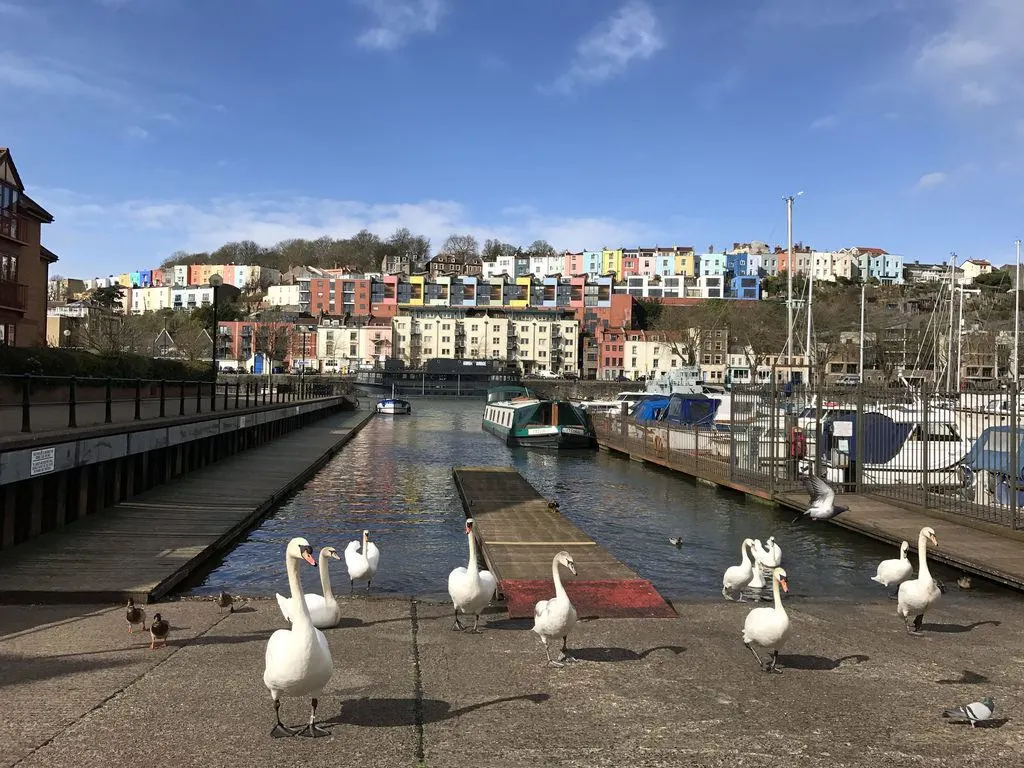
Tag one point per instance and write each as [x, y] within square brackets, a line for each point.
[530, 422]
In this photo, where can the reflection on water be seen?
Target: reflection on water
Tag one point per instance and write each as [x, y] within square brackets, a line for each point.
[395, 479]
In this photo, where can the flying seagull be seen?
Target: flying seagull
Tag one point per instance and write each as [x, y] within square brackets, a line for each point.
[822, 506]
[972, 713]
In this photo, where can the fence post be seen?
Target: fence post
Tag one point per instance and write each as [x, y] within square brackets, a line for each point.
[247, 387]
[138, 399]
[1014, 456]
[163, 398]
[226, 396]
[732, 433]
[924, 442]
[181, 399]
[108, 402]
[72, 396]
[199, 397]
[858, 436]
[213, 393]
[238, 388]
[773, 433]
[26, 403]
[266, 392]
[819, 403]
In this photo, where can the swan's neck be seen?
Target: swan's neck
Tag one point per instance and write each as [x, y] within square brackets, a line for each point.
[472, 568]
[325, 578]
[300, 613]
[922, 559]
[778, 595]
[743, 553]
[559, 589]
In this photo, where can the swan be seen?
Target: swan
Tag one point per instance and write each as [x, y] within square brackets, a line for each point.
[769, 555]
[323, 609]
[298, 660]
[917, 595]
[556, 617]
[362, 565]
[738, 576]
[470, 588]
[892, 573]
[758, 581]
[768, 627]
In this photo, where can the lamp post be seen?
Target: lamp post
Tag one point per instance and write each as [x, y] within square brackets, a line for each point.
[216, 281]
[67, 337]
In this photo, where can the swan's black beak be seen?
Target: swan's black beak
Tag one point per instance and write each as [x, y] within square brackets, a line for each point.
[307, 555]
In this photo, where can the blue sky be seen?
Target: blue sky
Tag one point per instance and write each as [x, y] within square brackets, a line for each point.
[148, 126]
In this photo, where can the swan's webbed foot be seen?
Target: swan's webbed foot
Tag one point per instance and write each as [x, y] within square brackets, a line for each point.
[918, 620]
[280, 731]
[773, 665]
[457, 626]
[759, 662]
[565, 658]
[476, 626]
[558, 664]
[314, 731]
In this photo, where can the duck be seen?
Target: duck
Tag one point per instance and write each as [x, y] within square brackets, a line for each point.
[963, 581]
[768, 627]
[737, 577]
[916, 596]
[323, 609]
[676, 541]
[892, 573]
[470, 588]
[555, 618]
[224, 600]
[298, 660]
[159, 629]
[769, 555]
[135, 615]
[362, 565]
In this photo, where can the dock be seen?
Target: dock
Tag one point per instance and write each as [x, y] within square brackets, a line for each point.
[519, 534]
[145, 546]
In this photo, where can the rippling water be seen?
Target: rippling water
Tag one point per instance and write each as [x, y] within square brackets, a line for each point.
[395, 479]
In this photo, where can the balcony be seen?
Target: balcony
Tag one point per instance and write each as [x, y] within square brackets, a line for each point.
[12, 295]
[14, 227]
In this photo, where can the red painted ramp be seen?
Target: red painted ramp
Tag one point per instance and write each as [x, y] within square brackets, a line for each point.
[619, 599]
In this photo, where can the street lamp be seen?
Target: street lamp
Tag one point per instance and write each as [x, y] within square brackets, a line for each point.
[67, 337]
[216, 281]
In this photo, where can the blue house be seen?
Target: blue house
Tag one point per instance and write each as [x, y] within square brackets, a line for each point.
[745, 287]
[736, 264]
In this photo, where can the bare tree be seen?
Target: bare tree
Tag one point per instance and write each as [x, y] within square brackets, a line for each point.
[464, 246]
[107, 333]
[691, 326]
[759, 327]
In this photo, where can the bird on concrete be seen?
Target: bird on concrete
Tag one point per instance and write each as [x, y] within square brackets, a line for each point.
[823, 497]
[974, 713]
[158, 631]
[964, 582]
[224, 600]
[135, 615]
[676, 542]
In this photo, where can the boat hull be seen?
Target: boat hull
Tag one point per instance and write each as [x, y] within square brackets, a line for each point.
[394, 407]
[533, 424]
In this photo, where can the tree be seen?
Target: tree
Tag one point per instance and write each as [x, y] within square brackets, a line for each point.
[759, 327]
[541, 248]
[404, 243]
[108, 299]
[690, 326]
[111, 334]
[495, 249]
[997, 279]
[463, 246]
[646, 313]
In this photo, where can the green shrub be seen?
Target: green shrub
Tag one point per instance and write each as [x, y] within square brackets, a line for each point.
[47, 361]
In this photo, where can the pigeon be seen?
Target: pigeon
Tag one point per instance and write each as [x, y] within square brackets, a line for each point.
[224, 600]
[964, 582]
[158, 631]
[135, 615]
[822, 506]
[972, 713]
[676, 542]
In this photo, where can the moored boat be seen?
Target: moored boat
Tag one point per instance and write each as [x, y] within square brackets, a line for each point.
[528, 421]
[394, 405]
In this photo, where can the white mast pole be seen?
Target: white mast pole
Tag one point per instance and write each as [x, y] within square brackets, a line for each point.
[1016, 321]
[862, 287]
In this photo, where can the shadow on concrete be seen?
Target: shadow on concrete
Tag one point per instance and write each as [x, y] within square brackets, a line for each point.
[956, 628]
[17, 670]
[995, 722]
[966, 678]
[514, 624]
[388, 713]
[14, 618]
[620, 654]
[819, 663]
[354, 623]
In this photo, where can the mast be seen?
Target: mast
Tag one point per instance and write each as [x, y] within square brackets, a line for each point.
[789, 285]
[807, 346]
[862, 287]
[949, 344]
[1016, 321]
[960, 338]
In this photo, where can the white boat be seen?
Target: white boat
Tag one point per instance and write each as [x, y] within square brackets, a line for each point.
[612, 406]
[394, 405]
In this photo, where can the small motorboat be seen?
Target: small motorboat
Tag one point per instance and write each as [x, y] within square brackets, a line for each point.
[394, 405]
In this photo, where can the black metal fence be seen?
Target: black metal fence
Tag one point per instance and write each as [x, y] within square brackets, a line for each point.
[957, 452]
[45, 403]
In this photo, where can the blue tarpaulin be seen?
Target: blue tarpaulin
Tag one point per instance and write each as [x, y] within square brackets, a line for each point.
[883, 437]
[991, 451]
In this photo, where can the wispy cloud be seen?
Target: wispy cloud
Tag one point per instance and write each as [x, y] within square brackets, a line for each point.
[631, 34]
[50, 76]
[976, 59]
[398, 20]
[824, 122]
[136, 132]
[930, 180]
[816, 14]
[14, 10]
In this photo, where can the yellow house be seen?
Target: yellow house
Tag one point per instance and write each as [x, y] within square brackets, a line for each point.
[611, 261]
[686, 263]
[526, 281]
[124, 279]
[417, 290]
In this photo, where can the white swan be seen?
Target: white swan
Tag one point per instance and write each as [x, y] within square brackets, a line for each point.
[892, 573]
[470, 588]
[323, 609]
[738, 576]
[917, 595]
[769, 555]
[556, 617]
[362, 565]
[298, 660]
[758, 581]
[768, 627]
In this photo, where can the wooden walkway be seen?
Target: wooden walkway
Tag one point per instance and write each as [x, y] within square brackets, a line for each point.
[990, 555]
[520, 535]
[147, 545]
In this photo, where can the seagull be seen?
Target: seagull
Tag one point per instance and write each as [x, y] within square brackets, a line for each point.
[224, 600]
[972, 713]
[823, 506]
[676, 542]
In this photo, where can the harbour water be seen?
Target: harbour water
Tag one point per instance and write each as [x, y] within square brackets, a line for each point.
[395, 479]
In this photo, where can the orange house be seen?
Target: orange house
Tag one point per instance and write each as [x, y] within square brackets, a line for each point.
[24, 262]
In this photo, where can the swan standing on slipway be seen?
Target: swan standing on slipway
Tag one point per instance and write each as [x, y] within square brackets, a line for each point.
[769, 555]
[298, 660]
[768, 627]
[737, 577]
[916, 596]
[362, 565]
[324, 610]
[556, 617]
[470, 588]
[892, 573]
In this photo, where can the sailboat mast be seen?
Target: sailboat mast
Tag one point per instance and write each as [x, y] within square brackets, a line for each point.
[862, 287]
[789, 284]
[960, 339]
[807, 346]
[949, 344]
[1016, 322]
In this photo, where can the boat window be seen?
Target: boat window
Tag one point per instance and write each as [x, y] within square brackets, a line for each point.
[568, 416]
[541, 415]
[941, 433]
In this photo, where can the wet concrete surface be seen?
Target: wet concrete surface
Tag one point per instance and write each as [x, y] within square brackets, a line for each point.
[77, 690]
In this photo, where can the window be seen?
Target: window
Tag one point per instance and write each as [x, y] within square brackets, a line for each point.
[8, 267]
[7, 335]
[9, 211]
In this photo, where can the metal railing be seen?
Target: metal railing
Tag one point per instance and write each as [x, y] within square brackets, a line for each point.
[955, 452]
[47, 403]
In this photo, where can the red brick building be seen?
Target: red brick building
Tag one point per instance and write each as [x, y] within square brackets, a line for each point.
[339, 296]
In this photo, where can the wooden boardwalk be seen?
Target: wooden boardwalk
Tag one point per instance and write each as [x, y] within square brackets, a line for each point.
[520, 534]
[147, 545]
[994, 556]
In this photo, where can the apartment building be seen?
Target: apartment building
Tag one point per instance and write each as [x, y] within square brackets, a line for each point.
[346, 345]
[152, 299]
[283, 296]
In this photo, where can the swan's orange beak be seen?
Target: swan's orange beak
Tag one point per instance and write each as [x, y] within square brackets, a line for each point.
[467, 530]
[935, 542]
[784, 584]
[308, 558]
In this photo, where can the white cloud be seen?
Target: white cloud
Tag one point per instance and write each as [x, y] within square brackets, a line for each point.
[977, 59]
[631, 34]
[398, 20]
[14, 10]
[930, 180]
[822, 123]
[151, 229]
[136, 132]
[49, 76]
[816, 14]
